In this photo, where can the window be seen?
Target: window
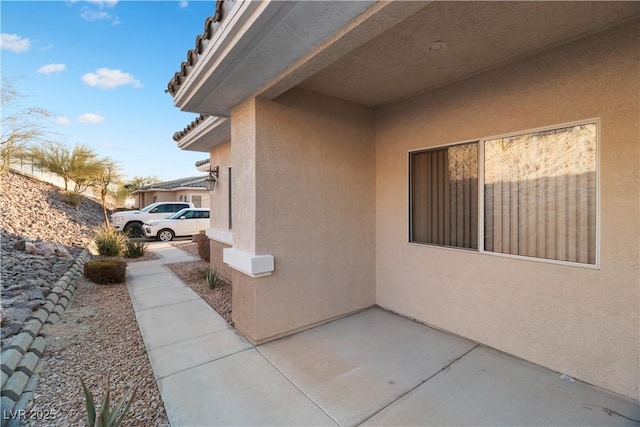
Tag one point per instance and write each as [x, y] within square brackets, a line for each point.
[229, 194]
[538, 190]
[167, 208]
[444, 196]
[197, 201]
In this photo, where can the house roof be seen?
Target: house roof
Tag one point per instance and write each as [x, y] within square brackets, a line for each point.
[202, 162]
[203, 165]
[371, 52]
[204, 133]
[193, 55]
[190, 182]
[181, 134]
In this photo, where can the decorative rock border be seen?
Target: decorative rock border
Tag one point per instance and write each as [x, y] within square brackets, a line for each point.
[20, 359]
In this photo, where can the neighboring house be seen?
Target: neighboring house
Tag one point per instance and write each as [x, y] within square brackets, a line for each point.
[471, 165]
[190, 190]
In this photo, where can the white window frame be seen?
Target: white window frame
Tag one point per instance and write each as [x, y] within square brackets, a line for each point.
[481, 196]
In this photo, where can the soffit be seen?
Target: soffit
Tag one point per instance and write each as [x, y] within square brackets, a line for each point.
[480, 35]
[204, 133]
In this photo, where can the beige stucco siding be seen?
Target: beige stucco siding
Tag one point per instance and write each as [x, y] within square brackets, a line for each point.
[146, 198]
[220, 156]
[243, 136]
[314, 210]
[221, 236]
[580, 321]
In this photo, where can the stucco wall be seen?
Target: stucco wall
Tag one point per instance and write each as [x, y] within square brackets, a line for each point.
[163, 196]
[580, 321]
[243, 137]
[220, 234]
[314, 210]
[220, 156]
[189, 193]
[215, 254]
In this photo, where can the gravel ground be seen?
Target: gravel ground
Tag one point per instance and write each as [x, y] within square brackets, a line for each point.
[193, 274]
[96, 337]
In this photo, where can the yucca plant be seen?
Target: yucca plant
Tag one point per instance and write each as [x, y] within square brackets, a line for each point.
[212, 277]
[106, 417]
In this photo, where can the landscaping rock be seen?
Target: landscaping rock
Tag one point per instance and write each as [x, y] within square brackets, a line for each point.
[40, 236]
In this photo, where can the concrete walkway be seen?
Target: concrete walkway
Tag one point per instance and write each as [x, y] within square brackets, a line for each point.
[371, 368]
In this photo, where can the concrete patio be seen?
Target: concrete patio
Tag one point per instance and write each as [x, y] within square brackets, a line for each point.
[370, 368]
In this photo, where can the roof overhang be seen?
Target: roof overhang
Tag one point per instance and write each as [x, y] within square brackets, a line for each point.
[206, 135]
[204, 165]
[259, 43]
[169, 189]
[374, 52]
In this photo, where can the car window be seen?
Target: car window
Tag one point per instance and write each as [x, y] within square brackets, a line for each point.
[200, 214]
[189, 214]
[164, 209]
[179, 206]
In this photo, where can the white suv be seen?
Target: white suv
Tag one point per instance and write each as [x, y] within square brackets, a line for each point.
[187, 222]
[131, 221]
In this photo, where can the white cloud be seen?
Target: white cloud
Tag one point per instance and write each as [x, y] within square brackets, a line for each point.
[95, 11]
[63, 121]
[94, 15]
[14, 42]
[90, 118]
[104, 3]
[107, 78]
[52, 68]
[183, 4]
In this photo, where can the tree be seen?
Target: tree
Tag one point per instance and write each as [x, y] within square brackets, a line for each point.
[104, 182]
[19, 126]
[138, 182]
[79, 164]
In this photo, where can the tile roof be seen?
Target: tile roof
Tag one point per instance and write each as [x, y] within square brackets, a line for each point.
[192, 181]
[193, 55]
[202, 162]
[181, 134]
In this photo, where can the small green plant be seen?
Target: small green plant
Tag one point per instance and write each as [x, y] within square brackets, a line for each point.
[110, 242]
[134, 249]
[106, 417]
[213, 277]
[72, 198]
[106, 271]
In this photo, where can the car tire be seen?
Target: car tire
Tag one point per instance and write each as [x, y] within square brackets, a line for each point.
[134, 230]
[165, 235]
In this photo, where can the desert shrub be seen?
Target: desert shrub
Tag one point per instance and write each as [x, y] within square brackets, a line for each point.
[134, 249]
[107, 417]
[72, 198]
[213, 277]
[110, 242]
[203, 246]
[106, 271]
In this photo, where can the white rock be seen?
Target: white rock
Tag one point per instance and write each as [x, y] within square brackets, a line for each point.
[30, 248]
[61, 251]
[46, 248]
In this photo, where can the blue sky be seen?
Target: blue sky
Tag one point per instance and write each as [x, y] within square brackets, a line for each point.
[101, 68]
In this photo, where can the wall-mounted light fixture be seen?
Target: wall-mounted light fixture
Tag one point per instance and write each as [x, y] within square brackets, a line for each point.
[210, 181]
